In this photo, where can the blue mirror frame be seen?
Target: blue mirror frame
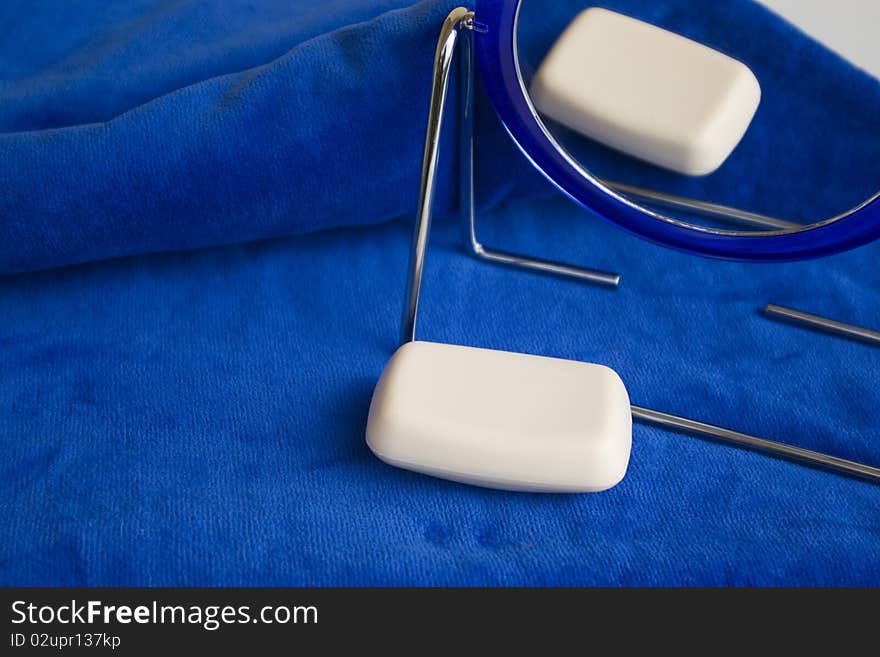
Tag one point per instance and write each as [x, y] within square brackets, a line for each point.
[495, 41]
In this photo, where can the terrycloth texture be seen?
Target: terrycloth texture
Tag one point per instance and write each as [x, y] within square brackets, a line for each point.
[198, 418]
[143, 127]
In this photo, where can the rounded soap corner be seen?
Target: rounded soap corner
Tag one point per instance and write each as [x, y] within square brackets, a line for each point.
[751, 80]
[401, 354]
[374, 417]
[402, 350]
[705, 156]
[370, 437]
[701, 166]
[594, 11]
[706, 153]
[754, 93]
[622, 466]
[615, 376]
[717, 143]
[541, 91]
[381, 428]
[614, 481]
[377, 414]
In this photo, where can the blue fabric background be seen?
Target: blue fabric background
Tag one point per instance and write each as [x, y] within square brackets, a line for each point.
[197, 418]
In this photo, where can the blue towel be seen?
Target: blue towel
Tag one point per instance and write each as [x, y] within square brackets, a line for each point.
[158, 126]
[197, 418]
[147, 128]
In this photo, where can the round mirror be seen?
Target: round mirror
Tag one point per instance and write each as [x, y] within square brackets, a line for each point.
[720, 128]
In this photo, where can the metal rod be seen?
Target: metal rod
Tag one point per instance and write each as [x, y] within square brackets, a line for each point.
[582, 274]
[467, 204]
[459, 19]
[745, 441]
[705, 208]
[458, 24]
[823, 324]
[440, 86]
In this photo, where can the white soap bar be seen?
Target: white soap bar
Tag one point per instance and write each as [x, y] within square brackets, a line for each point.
[501, 420]
[648, 92]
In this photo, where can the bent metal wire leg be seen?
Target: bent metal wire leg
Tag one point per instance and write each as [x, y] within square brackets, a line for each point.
[461, 19]
[459, 26]
[466, 192]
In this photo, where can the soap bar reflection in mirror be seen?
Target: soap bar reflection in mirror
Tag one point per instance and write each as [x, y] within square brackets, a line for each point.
[647, 92]
[809, 154]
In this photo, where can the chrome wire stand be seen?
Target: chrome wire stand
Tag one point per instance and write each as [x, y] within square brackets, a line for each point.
[467, 205]
[459, 24]
[458, 28]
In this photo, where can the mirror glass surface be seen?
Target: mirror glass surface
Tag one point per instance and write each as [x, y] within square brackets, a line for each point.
[719, 115]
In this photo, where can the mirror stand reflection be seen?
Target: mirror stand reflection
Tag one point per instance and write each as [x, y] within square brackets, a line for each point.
[701, 120]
